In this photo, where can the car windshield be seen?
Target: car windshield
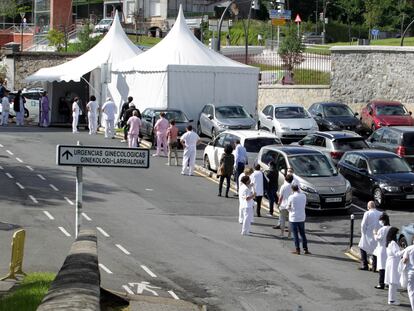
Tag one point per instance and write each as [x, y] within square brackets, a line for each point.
[389, 166]
[105, 22]
[350, 144]
[291, 113]
[177, 115]
[338, 111]
[231, 112]
[255, 144]
[392, 110]
[312, 165]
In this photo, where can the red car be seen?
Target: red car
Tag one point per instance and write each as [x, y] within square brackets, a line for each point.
[380, 113]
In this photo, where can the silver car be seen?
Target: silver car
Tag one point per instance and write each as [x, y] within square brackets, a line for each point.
[324, 187]
[216, 119]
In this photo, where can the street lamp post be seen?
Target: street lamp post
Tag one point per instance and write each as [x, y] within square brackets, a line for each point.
[235, 11]
[405, 32]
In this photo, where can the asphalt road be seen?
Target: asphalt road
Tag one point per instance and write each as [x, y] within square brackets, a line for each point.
[166, 234]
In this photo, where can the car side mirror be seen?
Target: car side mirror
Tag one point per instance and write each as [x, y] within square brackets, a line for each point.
[189, 121]
[356, 114]
[210, 116]
[319, 115]
[301, 143]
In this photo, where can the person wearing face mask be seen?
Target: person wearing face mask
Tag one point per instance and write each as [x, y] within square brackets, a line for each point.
[381, 250]
[246, 193]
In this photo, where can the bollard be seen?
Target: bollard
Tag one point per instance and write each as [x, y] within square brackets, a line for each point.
[351, 236]
[16, 262]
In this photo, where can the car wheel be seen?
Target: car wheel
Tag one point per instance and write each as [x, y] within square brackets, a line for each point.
[402, 242]
[213, 133]
[199, 132]
[378, 197]
[206, 163]
[26, 113]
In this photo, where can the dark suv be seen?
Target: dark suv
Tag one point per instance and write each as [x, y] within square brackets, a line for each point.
[398, 139]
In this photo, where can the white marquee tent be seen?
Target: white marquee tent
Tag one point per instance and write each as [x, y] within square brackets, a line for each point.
[180, 72]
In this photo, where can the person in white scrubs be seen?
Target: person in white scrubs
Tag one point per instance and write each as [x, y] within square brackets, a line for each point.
[408, 259]
[246, 194]
[189, 140]
[381, 250]
[109, 110]
[75, 115]
[5, 108]
[392, 276]
[92, 108]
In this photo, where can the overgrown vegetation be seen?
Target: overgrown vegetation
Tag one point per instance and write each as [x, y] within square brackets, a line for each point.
[85, 40]
[56, 38]
[291, 49]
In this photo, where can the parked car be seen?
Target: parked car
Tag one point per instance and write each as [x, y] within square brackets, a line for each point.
[150, 115]
[324, 187]
[334, 116]
[334, 144]
[288, 121]
[398, 139]
[216, 119]
[379, 113]
[312, 38]
[252, 140]
[103, 25]
[406, 235]
[381, 174]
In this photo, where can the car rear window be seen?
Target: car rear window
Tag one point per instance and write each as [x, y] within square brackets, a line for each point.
[350, 144]
[255, 144]
[408, 139]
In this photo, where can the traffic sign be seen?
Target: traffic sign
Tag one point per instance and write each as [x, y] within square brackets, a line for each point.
[280, 14]
[102, 156]
[298, 19]
[278, 22]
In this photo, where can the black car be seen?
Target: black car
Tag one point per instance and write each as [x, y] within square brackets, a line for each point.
[381, 174]
[334, 116]
[397, 139]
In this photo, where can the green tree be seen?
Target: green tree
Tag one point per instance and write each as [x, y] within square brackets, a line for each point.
[291, 49]
[8, 8]
[372, 15]
[351, 9]
[56, 38]
[86, 42]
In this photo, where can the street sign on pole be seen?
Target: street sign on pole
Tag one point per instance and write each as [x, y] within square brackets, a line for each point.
[278, 22]
[298, 19]
[280, 14]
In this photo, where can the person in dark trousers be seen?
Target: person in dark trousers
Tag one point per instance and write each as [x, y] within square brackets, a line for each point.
[123, 121]
[258, 179]
[272, 176]
[240, 161]
[128, 114]
[381, 250]
[226, 169]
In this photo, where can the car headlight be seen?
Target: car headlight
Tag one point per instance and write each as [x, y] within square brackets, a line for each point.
[348, 185]
[307, 189]
[391, 188]
[333, 126]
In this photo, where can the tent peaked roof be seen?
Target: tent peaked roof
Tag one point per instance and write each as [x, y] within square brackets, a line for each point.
[179, 47]
[114, 48]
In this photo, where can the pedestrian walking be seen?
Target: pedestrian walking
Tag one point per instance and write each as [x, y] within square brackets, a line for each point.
[408, 260]
[258, 180]
[128, 114]
[5, 108]
[18, 107]
[92, 108]
[392, 276]
[75, 115]
[272, 176]
[45, 107]
[240, 161]
[248, 171]
[134, 124]
[284, 193]
[295, 180]
[226, 169]
[246, 195]
[2, 88]
[123, 120]
[189, 140]
[172, 134]
[109, 110]
[160, 128]
[380, 251]
[367, 243]
[296, 206]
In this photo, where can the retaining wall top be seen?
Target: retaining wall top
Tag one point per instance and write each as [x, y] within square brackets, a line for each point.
[371, 48]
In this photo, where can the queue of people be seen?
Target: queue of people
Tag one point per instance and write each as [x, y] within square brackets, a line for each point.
[18, 106]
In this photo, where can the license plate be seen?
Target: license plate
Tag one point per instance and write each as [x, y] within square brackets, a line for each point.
[333, 200]
[410, 196]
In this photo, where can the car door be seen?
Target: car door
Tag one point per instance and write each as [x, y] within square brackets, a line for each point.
[267, 118]
[146, 122]
[205, 120]
[348, 168]
[218, 150]
[317, 114]
[362, 179]
[282, 169]
[374, 140]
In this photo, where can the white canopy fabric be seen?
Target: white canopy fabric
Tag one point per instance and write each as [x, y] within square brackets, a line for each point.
[180, 72]
[114, 48]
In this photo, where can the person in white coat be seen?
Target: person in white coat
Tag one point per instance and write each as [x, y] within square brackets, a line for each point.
[392, 276]
[189, 140]
[109, 110]
[246, 194]
[5, 108]
[92, 108]
[381, 250]
[370, 222]
[408, 259]
[257, 179]
[248, 171]
[75, 115]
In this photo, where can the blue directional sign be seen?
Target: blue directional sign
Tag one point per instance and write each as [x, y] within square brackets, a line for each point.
[375, 32]
[280, 14]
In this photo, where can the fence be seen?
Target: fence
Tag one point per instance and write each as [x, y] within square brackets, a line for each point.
[314, 70]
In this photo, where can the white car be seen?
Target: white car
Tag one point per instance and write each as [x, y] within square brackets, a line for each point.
[287, 121]
[103, 25]
[32, 97]
[252, 140]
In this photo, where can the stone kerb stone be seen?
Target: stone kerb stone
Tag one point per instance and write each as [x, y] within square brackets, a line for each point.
[77, 285]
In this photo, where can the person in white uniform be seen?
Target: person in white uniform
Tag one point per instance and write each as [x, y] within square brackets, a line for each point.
[109, 110]
[92, 108]
[5, 108]
[189, 140]
[392, 276]
[257, 179]
[246, 194]
[381, 250]
[75, 115]
[248, 171]
[408, 259]
[284, 193]
[367, 244]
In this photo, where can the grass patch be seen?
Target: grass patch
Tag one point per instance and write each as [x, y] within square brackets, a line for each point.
[28, 295]
[311, 77]
[408, 41]
[144, 40]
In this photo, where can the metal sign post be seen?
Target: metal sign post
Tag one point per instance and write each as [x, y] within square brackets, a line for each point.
[80, 156]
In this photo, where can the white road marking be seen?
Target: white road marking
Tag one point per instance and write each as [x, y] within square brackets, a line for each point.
[1, 146]
[128, 290]
[49, 215]
[9, 152]
[33, 199]
[173, 295]
[147, 270]
[69, 201]
[103, 232]
[358, 207]
[53, 187]
[123, 249]
[19, 160]
[20, 185]
[9, 175]
[86, 217]
[105, 269]
[41, 177]
[149, 189]
[30, 168]
[64, 231]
